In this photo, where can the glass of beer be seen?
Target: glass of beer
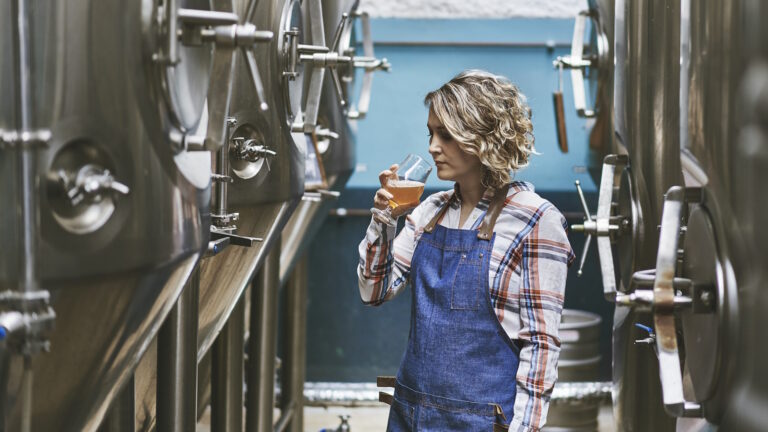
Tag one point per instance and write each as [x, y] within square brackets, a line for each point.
[411, 173]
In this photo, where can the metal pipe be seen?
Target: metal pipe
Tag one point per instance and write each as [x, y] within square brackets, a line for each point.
[262, 347]
[27, 160]
[295, 355]
[227, 374]
[122, 413]
[222, 168]
[286, 415]
[177, 363]
[479, 44]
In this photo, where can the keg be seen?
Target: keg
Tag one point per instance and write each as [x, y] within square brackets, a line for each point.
[579, 361]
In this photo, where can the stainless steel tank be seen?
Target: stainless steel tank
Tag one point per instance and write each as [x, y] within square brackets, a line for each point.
[748, 150]
[591, 67]
[336, 147]
[646, 164]
[266, 168]
[646, 89]
[340, 110]
[123, 209]
[703, 243]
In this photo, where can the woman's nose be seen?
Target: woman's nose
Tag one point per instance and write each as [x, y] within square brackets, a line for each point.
[434, 148]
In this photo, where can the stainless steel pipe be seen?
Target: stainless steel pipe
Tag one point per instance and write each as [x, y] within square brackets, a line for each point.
[295, 356]
[262, 345]
[177, 363]
[227, 374]
[121, 416]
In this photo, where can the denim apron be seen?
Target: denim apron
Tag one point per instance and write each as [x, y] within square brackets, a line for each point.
[459, 370]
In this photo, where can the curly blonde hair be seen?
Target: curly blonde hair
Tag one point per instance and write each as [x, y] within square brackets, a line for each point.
[489, 118]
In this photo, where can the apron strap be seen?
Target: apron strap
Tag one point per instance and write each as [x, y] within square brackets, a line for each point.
[438, 216]
[485, 231]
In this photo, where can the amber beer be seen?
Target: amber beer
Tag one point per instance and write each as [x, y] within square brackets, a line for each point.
[404, 192]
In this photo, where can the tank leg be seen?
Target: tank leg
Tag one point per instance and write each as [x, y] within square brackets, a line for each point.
[294, 358]
[177, 363]
[227, 374]
[262, 344]
[122, 414]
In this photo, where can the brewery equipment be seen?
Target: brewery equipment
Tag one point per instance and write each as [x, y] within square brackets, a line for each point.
[646, 164]
[592, 69]
[123, 200]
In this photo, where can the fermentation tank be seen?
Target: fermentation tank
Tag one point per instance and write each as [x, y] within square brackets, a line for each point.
[261, 169]
[748, 149]
[634, 179]
[340, 109]
[123, 206]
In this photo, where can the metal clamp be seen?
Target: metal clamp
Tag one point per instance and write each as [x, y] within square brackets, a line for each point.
[234, 239]
[227, 31]
[339, 55]
[666, 297]
[577, 63]
[368, 62]
[26, 320]
[603, 225]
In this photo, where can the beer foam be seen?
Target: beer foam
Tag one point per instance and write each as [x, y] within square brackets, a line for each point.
[406, 183]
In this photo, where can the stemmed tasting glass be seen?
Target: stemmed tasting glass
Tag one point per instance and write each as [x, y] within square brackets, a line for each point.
[412, 174]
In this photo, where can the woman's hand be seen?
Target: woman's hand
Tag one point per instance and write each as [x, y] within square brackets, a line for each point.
[382, 197]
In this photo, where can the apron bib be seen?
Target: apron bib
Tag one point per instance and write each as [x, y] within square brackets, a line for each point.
[459, 369]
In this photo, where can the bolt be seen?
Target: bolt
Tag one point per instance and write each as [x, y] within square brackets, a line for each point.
[706, 298]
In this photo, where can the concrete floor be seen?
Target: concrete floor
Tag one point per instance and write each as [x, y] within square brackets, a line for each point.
[372, 419]
[368, 419]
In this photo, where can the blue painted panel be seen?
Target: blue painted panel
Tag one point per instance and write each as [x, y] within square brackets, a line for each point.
[396, 124]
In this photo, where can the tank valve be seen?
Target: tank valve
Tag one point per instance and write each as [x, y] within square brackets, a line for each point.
[250, 150]
[604, 225]
[90, 183]
[344, 426]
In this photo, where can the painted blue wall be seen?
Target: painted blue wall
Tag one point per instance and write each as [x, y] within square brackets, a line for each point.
[396, 124]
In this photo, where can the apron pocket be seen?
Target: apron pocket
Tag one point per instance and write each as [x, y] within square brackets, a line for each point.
[465, 291]
[434, 419]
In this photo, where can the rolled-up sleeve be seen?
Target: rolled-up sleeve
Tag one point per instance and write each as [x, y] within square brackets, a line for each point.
[546, 255]
[385, 260]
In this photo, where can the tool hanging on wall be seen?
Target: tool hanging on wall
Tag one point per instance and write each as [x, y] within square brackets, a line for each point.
[557, 98]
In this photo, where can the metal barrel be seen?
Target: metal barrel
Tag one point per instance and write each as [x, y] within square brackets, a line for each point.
[579, 361]
[580, 346]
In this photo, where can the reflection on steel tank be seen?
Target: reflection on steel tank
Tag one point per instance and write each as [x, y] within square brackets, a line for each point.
[122, 209]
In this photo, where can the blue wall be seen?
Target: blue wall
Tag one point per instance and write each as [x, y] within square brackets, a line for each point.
[351, 342]
[396, 124]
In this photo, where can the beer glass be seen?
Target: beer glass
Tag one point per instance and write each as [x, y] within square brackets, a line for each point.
[407, 188]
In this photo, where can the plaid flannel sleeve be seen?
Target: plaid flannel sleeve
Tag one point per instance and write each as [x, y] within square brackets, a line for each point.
[546, 255]
[385, 260]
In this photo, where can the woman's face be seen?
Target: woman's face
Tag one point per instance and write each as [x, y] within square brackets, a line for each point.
[453, 164]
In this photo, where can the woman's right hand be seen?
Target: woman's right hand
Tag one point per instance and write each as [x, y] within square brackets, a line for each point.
[382, 197]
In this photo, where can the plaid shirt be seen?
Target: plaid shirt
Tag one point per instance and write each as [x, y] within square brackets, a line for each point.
[528, 268]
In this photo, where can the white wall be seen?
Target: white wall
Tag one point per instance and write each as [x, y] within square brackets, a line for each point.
[472, 8]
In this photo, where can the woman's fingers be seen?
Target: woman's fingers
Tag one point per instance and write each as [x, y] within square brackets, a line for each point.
[402, 209]
[381, 199]
[388, 174]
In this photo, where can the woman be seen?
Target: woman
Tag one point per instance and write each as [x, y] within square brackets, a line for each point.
[487, 264]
